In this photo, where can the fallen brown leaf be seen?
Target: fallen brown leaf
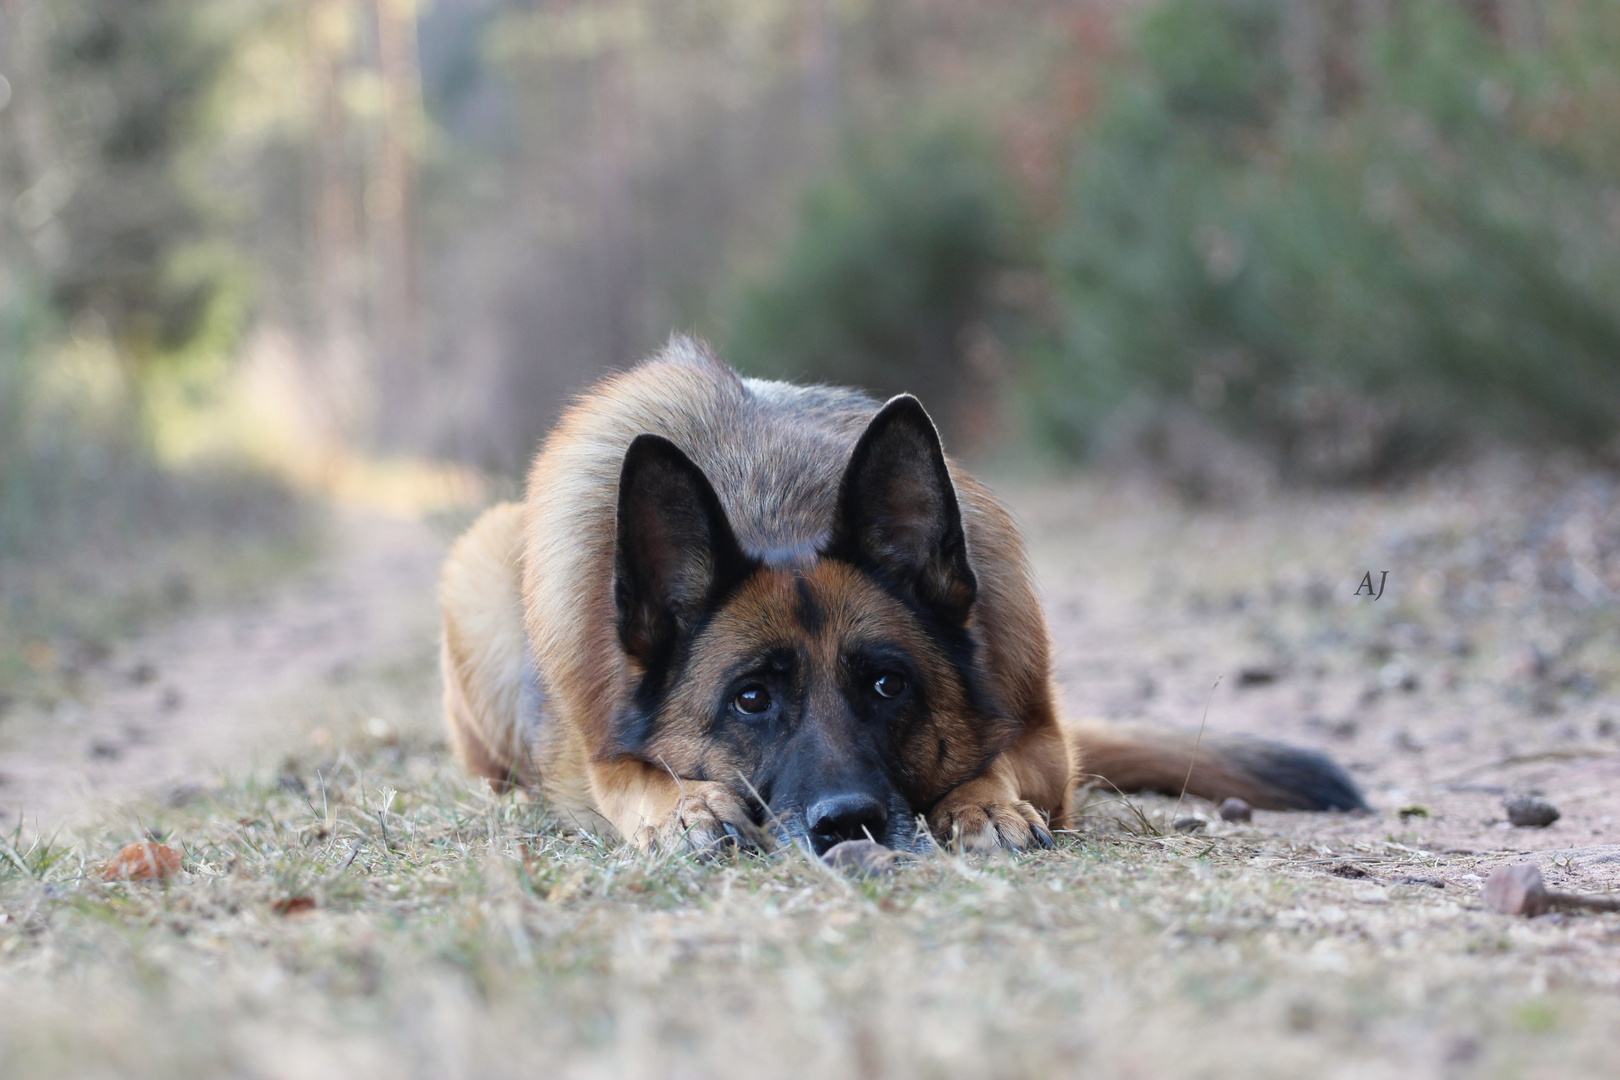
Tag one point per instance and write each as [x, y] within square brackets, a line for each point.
[143, 861]
[294, 905]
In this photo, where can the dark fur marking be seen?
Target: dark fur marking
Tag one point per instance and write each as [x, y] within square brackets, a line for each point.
[808, 611]
[532, 696]
[961, 649]
[1298, 779]
[897, 471]
[633, 728]
[670, 528]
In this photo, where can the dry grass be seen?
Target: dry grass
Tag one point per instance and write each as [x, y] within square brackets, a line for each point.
[455, 934]
[357, 908]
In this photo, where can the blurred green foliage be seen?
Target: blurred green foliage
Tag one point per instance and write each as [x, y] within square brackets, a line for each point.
[121, 96]
[894, 259]
[1351, 244]
[20, 316]
[116, 275]
[1353, 235]
[108, 242]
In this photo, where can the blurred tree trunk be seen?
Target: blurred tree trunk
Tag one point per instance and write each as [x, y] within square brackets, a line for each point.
[392, 207]
[343, 377]
[1302, 53]
[1521, 24]
[26, 159]
[617, 256]
[819, 48]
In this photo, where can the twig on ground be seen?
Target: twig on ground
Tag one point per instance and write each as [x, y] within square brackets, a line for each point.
[359, 843]
[1197, 742]
[1517, 889]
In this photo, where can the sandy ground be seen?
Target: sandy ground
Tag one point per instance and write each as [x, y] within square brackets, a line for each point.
[208, 693]
[1483, 671]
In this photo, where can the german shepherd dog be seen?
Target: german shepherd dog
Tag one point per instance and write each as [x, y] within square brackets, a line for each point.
[739, 612]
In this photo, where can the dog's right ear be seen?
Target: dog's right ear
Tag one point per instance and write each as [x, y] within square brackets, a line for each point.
[898, 513]
[676, 552]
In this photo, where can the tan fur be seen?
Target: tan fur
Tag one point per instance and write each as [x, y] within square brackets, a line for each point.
[775, 454]
[482, 650]
[1137, 757]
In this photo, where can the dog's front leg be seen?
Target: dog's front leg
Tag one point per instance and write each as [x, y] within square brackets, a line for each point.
[659, 812]
[1016, 801]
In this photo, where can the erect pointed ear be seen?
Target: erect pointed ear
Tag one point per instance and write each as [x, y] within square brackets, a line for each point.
[898, 515]
[676, 551]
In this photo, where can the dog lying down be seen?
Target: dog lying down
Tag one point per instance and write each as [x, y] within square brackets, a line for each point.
[732, 611]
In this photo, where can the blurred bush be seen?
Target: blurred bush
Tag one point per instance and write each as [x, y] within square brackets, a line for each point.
[108, 98]
[111, 276]
[889, 281]
[1350, 234]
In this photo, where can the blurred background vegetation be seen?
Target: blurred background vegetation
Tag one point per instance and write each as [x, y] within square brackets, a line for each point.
[252, 250]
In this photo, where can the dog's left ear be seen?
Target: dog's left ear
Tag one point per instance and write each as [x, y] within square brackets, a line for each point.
[898, 515]
[675, 553]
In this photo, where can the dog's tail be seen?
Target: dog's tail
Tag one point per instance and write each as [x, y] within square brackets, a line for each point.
[484, 652]
[1266, 775]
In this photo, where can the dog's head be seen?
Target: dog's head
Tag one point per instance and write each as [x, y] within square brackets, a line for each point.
[838, 693]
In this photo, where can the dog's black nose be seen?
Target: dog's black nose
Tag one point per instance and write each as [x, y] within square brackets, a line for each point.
[845, 817]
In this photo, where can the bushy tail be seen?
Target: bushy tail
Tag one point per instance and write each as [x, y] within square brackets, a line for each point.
[484, 652]
[1266, 775]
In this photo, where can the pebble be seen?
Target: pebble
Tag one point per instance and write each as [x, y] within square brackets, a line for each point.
[863, 858]
[1529, 812]
[1189, 824]
[1515, 890]
[1257, 676]
[1235, 809]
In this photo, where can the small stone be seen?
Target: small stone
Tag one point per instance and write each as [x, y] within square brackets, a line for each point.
[863, 858]
[1529, 812]
[1189, 824]
[1404, 741]
[183, 794]
[1415, 879]
[1397, 676]
[1257, 676]
[1515, 890]
[1235, 809]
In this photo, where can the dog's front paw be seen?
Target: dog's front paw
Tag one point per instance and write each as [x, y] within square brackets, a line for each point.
[970, 821]
[706, 818]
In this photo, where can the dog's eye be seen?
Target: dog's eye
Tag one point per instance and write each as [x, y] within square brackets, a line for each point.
[889, 685]
[753, 699]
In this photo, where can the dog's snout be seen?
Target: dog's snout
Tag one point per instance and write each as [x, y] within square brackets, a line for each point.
[845, 817]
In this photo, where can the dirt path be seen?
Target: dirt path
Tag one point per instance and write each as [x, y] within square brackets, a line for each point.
[1485, 670]
[202, 694]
